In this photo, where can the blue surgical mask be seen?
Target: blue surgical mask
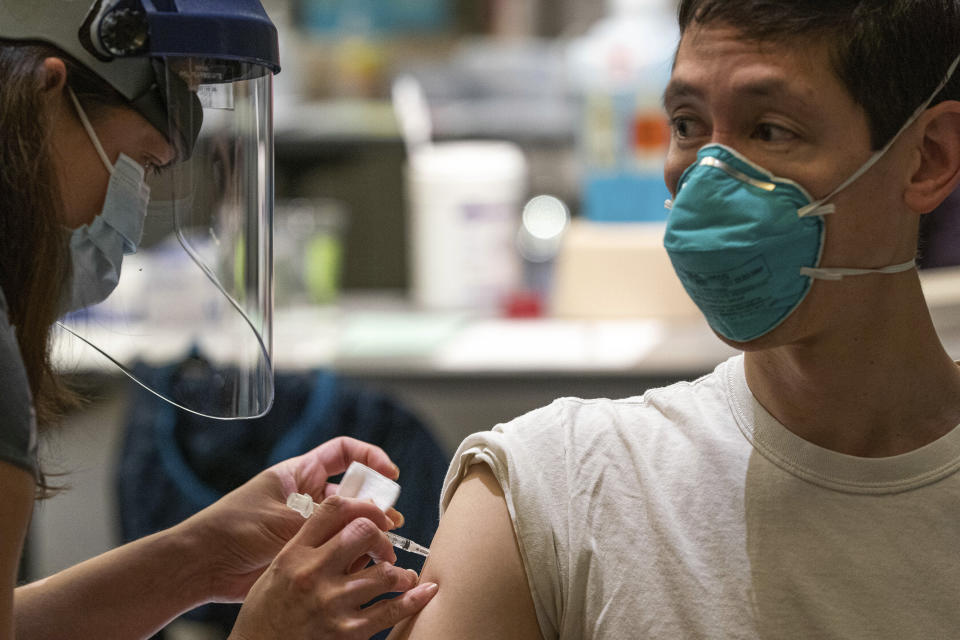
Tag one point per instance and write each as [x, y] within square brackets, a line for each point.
[97, 249]
[747, 244]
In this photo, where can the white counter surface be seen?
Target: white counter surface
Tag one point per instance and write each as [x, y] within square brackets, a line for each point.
[379, 333]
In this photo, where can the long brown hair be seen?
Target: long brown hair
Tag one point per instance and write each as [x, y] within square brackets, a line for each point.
[34, 253]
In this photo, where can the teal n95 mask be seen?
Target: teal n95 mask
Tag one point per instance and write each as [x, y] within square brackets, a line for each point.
[747, 245]
[97, 249]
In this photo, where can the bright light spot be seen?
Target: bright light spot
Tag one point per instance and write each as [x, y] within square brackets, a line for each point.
[545, 217]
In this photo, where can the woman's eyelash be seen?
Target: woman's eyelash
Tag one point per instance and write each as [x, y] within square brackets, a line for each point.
[154, 170]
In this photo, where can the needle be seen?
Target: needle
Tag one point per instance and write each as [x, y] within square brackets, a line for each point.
[303, 504]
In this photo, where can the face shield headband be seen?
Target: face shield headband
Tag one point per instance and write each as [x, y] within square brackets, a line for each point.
[173, 109]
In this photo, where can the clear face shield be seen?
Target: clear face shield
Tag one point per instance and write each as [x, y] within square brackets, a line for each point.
[196, 301]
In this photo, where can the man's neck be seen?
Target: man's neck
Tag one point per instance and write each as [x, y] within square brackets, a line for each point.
[880, 385]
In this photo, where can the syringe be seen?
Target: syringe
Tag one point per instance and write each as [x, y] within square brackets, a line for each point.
[303, 504]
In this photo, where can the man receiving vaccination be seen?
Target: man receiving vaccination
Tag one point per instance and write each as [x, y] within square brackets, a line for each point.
[807, 488]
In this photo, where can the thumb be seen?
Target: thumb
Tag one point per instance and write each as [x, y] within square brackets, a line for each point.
[333, 514]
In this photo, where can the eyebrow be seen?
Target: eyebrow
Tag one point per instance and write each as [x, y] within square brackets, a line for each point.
[678, 89]
[762, 88]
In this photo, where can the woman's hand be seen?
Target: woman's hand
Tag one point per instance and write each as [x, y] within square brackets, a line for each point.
[239, 535]
[317, 584]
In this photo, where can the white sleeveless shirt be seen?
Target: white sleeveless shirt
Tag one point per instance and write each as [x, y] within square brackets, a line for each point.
[692, 513]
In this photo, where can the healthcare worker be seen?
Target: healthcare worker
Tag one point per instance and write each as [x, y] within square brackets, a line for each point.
[102, 106]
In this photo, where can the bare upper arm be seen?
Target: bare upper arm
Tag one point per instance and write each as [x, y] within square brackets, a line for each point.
[475, 560]
[16, 503]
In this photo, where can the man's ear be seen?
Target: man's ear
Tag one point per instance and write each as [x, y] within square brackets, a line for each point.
[938, 172]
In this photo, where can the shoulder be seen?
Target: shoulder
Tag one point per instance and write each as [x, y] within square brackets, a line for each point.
[700, 405]
[576, 461]
[17, 421]
[570, 432]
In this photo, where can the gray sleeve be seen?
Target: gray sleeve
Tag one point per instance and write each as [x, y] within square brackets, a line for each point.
[18, 429]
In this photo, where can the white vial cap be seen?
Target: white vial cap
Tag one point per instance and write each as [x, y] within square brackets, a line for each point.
[363, 483]
[301, 503]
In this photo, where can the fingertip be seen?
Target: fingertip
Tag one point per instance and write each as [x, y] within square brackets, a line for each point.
[376, 559]
[413, 601]
[392, 556]
[333, 501]
[331, 507]
[396, 517]
[385, 467]
[384, 521]
[380, 461]
[407, 580]
[424, 593]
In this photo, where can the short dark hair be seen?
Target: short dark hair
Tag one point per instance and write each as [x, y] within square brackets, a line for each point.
[890, 54]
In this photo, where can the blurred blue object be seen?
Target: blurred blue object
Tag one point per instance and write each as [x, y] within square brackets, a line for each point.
[331, 17]
[624, 196]
[172, 463]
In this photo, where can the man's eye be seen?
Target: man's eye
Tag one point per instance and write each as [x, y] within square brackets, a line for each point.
[685, 127]
[767, 132]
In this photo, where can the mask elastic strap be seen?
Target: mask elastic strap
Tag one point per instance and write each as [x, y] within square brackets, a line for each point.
[838, 273]
[812, 208]
[90, 132]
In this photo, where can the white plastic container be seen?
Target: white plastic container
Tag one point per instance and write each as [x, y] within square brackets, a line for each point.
[465, 203]
[620, 69]
[363, 483]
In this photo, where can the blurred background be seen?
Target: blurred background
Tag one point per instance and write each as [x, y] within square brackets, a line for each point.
[469, 210]
[558, 80]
